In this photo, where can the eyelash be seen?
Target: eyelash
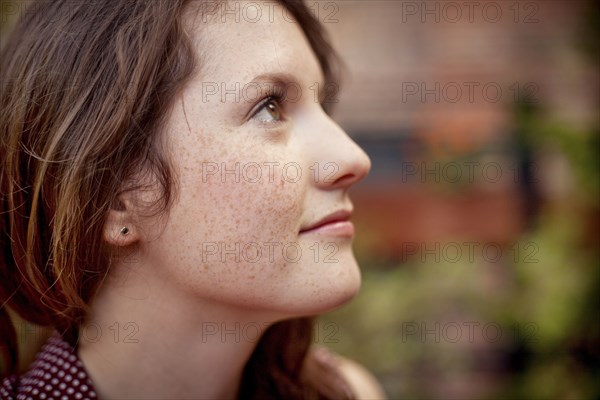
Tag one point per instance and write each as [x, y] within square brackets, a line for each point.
[275, 94]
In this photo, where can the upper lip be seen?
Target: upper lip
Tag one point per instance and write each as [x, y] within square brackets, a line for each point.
[337, 216]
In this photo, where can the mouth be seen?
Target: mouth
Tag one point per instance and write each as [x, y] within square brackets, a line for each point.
[334, 224]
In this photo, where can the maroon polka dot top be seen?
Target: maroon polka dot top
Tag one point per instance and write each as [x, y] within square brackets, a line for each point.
[57, 374]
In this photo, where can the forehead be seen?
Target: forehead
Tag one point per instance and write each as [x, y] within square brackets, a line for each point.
[234, 45]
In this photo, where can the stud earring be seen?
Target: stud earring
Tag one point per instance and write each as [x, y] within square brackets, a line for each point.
[124, 230]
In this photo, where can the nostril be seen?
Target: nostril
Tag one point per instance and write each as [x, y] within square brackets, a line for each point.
[346, 180]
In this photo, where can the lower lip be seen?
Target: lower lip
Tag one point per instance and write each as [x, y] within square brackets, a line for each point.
[340, 229]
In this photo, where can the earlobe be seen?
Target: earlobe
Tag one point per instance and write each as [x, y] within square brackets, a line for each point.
[119, 234]
[119, 229]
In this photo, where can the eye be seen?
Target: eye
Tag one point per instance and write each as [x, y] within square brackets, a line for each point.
[268, 111]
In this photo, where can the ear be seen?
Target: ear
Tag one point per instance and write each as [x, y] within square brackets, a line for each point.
[120, 228]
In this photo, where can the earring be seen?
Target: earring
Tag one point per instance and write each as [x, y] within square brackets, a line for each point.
[124, 230]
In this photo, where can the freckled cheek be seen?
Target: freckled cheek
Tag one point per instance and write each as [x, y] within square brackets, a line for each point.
[226, 206]
[266, 211]
[255, 220]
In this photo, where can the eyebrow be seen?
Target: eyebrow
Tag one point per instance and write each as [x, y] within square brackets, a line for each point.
[276, 77]
[285, 79]
[280, 77]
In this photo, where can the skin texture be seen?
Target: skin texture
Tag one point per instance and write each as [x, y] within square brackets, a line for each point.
[191, 303]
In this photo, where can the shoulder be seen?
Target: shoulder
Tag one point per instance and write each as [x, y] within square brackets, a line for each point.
[363, 383]
[8, 387]
[339, 377]
[55, 373]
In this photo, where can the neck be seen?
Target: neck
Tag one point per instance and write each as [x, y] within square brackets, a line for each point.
[148, 339]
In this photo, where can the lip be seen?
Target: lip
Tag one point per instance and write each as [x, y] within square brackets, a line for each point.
[334, 224]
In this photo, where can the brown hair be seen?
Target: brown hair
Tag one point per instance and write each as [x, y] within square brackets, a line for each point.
[86, 87]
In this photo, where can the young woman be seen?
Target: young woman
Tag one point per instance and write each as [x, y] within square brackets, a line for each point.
[174, 201]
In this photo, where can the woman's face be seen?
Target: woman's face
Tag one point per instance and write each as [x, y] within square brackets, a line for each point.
[254, 174]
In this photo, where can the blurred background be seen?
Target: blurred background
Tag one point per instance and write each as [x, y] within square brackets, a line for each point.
[478, 227]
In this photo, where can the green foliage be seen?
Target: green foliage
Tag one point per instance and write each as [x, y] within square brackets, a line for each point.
[539, 307]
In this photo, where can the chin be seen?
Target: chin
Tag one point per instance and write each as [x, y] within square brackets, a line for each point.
[346, 290]
[335, 289]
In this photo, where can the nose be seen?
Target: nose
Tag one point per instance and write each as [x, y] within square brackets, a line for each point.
[338, 162]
